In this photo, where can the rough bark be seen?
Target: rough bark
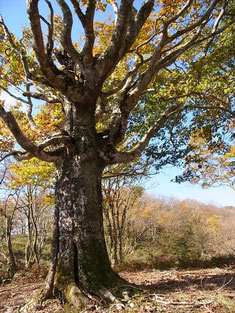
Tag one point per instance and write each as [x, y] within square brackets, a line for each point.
[81, 267]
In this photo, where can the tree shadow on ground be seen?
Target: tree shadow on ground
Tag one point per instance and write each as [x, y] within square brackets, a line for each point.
[210, 282]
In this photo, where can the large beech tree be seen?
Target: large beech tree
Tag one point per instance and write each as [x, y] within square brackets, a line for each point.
[93, 94]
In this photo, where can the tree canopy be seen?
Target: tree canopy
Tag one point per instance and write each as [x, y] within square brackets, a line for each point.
[139, 63]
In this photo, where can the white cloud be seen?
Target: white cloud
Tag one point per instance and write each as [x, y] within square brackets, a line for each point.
[9, 101]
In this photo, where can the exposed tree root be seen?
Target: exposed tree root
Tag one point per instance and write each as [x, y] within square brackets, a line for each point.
[80, 299]
[76, 297]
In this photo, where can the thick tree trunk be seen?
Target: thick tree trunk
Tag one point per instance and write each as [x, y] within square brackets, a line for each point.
[81, 266]
[83, 261]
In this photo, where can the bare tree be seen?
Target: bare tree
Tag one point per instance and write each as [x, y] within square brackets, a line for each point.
[8, 208]
[120, 194]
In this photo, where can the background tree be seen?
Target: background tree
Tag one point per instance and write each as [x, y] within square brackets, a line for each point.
[34, 181]
[8, 208]
[103, 108]
[121, 191]
[170, 233]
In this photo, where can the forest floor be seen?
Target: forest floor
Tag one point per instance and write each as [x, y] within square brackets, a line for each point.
[173, 291]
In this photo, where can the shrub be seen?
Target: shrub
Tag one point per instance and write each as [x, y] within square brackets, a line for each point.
[165, 262]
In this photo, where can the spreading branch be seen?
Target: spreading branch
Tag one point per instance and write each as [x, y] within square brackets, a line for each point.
[21, 52]
[87, 23]
[41, 96]
[22, 140]
[128, 26]
[122, 157]
[76, 91]
[55, 78]
[66, 39]
[50, 43]
[159, 61]
[13, 95]
[18, 155]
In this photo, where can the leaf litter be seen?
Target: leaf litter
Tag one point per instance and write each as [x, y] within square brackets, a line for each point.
[172, 291]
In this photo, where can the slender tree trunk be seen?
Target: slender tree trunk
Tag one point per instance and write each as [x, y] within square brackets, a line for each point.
[120, 242]
[109, 233]
[35, 248]
[48, 291]
[115, 243]
[11, 261]
[29, 239]
[121, 233]
[42, 239]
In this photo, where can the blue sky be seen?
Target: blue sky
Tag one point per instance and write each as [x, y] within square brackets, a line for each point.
[14, 14]
[161, 185]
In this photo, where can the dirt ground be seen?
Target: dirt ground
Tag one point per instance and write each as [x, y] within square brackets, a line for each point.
[207, 290]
